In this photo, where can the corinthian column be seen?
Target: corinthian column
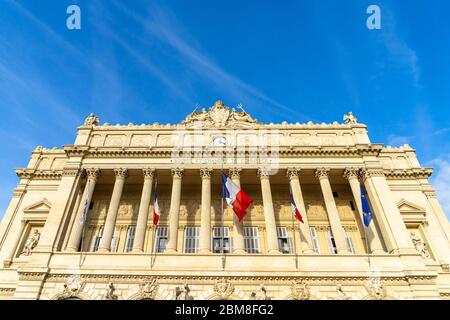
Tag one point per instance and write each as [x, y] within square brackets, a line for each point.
[77, 230]
[111, 216]
[175, 199]
[333, 214]
[371, 233]
[144, 207]
[238, 228]
[269, 214]
[305, 235]
[205, 224]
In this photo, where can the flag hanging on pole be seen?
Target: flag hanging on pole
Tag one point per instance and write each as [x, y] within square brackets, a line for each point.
[367, 213]
[156, 212]
[235, 197]
[294, 208]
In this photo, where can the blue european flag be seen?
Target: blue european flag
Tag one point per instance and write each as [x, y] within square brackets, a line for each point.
[367, 214]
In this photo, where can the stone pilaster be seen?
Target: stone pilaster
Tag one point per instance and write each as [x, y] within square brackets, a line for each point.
[111, 216]
[269, 214]
[77, 229]
[333, 214]
[144, 208]
[177, 175]
[305, 235]
[371, 233]
[205, 223]
[386, 210]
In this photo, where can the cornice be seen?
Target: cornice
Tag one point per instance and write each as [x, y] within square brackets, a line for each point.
[24, 173]
[416, 173]
[75, 151]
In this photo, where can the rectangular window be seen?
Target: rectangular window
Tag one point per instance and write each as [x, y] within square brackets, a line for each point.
[95, 241]
[191, 239]
[221, 240]
[331, 243]
[161, 237]
[130, 238]
[285, 243]
[251, 240]
[315, 239]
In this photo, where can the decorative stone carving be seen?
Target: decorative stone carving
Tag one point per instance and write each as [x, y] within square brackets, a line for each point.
[31, 243]
[219, 115]
[420, 245]
[376, 289]
[223, 288]
[350, 119]
[72, 286]
[322, 173]
[300, 291]
[110, 292]
[182, 293]
[263, 172]
[148, 173]
[177, 173]
[292, 173]
[260, 295]
[92, 173]
[369, 173]
[205, 173]
[91, 120]
[149, 289]
[341, 295]
[350, 173]
[235, 173]
[121, 173]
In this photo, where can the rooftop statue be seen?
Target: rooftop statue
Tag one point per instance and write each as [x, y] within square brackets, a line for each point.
[91, 120]
[350, 118]
[218, 115]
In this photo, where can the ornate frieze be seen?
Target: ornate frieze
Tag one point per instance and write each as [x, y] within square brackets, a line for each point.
[417, 173]
[223, 288]
[39, 174]
[70, 172]
[300, 290]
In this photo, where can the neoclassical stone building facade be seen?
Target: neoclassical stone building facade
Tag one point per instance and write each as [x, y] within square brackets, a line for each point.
[79, 224]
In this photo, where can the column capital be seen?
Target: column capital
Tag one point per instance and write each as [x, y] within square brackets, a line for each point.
[206, 173]
[322, 173]
[371, 172]
[149, 173]
[351, 173]
[93, 173]
[121, 173]
[177, 173]
[263, 172]
[235, 173]
[292, 173]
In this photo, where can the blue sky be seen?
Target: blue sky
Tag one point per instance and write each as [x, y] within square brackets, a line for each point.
[152, 61]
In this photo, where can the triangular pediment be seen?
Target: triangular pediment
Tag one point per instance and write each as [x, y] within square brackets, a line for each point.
[38, 207]
[407, 206]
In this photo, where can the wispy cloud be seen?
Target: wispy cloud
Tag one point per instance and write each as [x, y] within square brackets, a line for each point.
[395, 140]
[398, 48]
[162, 24]
[441, 181]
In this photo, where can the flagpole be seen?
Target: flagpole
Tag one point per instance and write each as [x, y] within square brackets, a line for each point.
[293, 230]
[153, 250]
[223, 228]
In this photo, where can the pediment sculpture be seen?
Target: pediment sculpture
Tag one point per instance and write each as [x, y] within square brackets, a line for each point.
[223, 288]
[219, 115]
[300, 291]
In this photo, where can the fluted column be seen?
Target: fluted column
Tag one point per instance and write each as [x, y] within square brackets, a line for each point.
[371, 233]
[269, 214]
[205, 223]
[77, 229]
[394, 231]
[333, 214]
[305, 235]
[144, 208]
[175, 199]
[111, 216]
[238, 228]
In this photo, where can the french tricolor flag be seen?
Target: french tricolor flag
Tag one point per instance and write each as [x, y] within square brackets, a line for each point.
[156, 212]
[295, 211]
[235, 197]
